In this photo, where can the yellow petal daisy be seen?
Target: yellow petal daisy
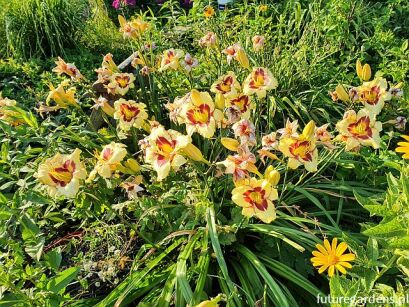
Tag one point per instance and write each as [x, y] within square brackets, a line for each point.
[403, 147]
[331, 257]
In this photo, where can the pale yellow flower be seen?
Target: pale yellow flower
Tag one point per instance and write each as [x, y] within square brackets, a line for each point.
[129, 114]
[259, 82]
[109, 160]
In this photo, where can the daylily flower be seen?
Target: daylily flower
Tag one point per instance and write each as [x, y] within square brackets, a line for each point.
[237, 52]
[170, 59]
[242, 102]
[189, 62]
[129, 114]
[240, 165]
[270, 141]
[233, 114]
[230, 144]
[332, 257]
[134, 28]
[175, 108]
[396, 91]
[258, 42]
[226, 85]
[259, 82]
[301, 150]
[340, 94]
[290, 129]
[200, 114]
[6, 114]
[373, 95]
[208, 12]
[109, 160]
[133, 187]
[353, 94]
[103, 103]
[363, 72]
[63, 98]
[256, 197]
[138, 60]
[68, 69]
[400, 123]
[209, 40]
[121, 83]
[245, 130]
[324, 136]
[403, 147]
[62, 174]
[162, 150]
[359, 129]
[108, 68]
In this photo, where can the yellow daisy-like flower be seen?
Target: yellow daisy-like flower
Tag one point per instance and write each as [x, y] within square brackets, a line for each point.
[403, 147]
[332, 257]
[208, 12]
[263, 8]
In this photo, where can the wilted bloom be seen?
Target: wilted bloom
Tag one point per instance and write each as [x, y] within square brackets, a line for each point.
[396, 91]
[364, 72]
[301, 150]
[259, 82]
[109, 160]
[353, 94]
[242, 102]
[175, 108]
[62, 174]
[400, 123]
[359, 129]
[331, 257]
[290, 129]
[200, 114]
[209, 40]
[138, 60]
[240, 165]
[226, 85]
[189, 62]
[162, 150]
[237, 52]
[256, 197]
[170, 59]
[108, 68]
[133, 187]
[121, 83]
[403, 147]
[63, 98]
[134, 28]
[208, 12]
[245, 130]
[68, 69]
[258, 42]
[373, 95]
[103, 103]
[129, 114]
[270, 141]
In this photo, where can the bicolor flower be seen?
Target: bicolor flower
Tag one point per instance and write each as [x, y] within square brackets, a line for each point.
[162, 150]
[323, 136]
[107, 69]
[258, 42]
[109, 160]
[240, 165]
[103, 104]
[133, 187]
[62, 174]
[270, 141]
[259, 82]
[256, 197]
[373, 95]
[129, 114]
[189, 62]
[301, 150]
[245, 131]
[226, 85]
[200, 114]
[237, 52]
[175, 108]
[242, 102]
[67, 68]
[290, 129]
[170, 59]
[331, 257]
[133, 28]
[120, 83]
[209, 40]
[62, 97]
[359, 129]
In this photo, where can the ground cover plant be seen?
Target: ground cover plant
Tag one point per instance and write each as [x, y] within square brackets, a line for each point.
[181, 155]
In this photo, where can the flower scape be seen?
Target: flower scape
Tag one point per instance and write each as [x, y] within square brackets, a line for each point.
[199, 174]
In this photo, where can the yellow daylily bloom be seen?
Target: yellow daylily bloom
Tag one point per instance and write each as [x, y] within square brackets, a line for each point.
[62, 174]
[226, 85]
[63, 98]
[359, 129]
[332, 257]
[163, 150]
[301, 150]
[403, 147]
[256, 197]
[129, 114]
[120, 83]
[373, 95]
[133, 28]
[259, 82]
